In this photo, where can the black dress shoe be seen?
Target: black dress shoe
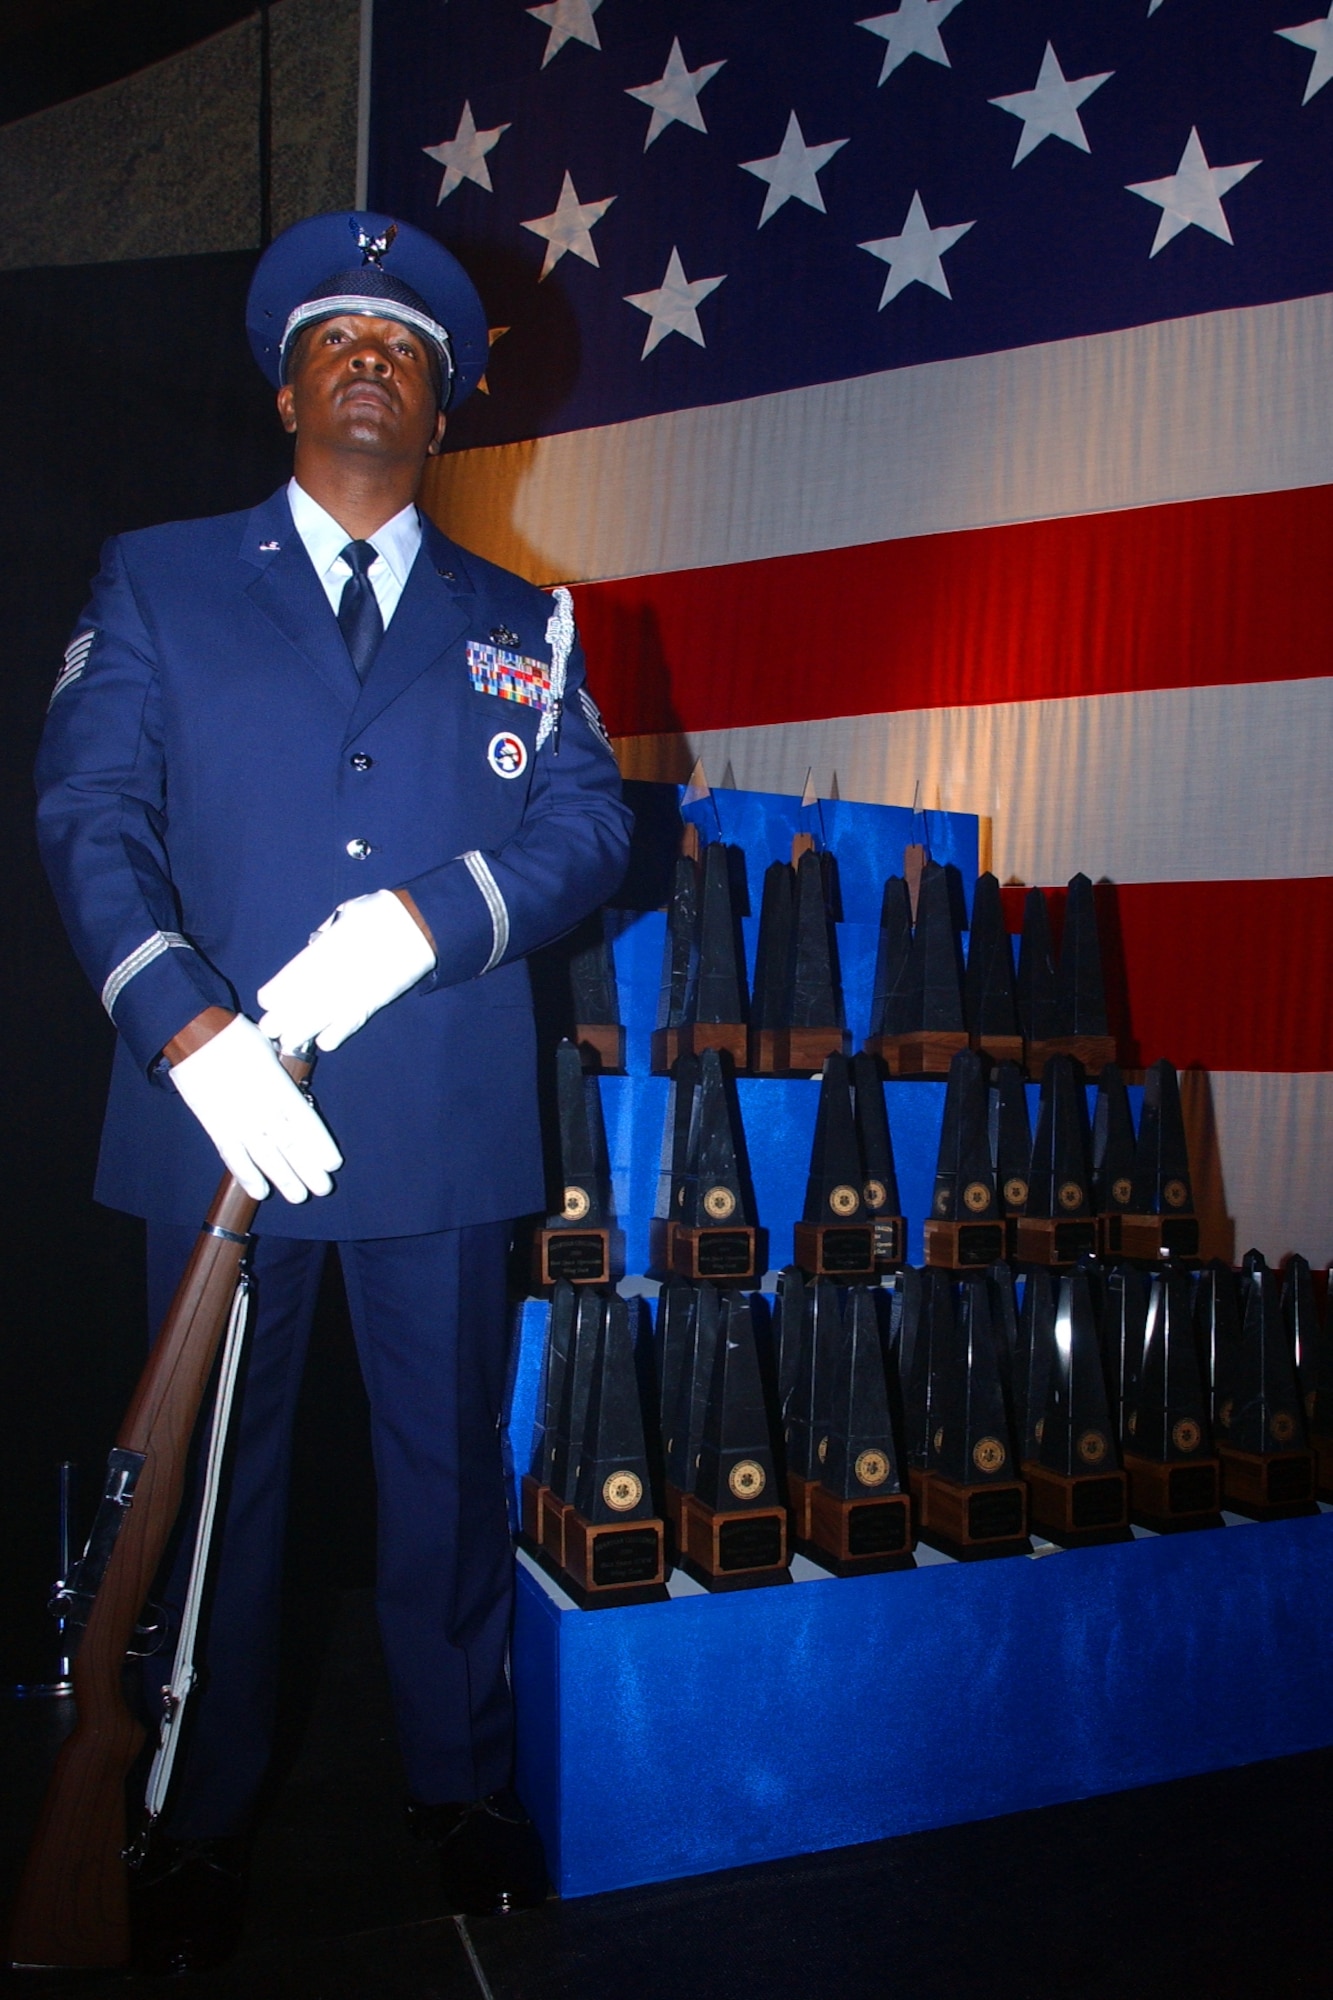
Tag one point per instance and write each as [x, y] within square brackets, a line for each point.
[491, 1855]
[187, 1899]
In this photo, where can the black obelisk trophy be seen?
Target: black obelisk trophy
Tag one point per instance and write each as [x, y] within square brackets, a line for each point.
[1056, 1226]
[990, 1004]
[535, 1488]
[674, 1166]
[861, 1519]
[613, 1540]
[733, 1524]
[575, 1243]
[1124, 1325]
[721, 1008]
[716, 1236]
[1309, 1334]
[1035, 990]
[835, 1236]
[1034, 1362]
[673, 1343]
[683, 1424]
[807, 1402]
[1078, 1025]
[1267, 1468]
[934, 1028]
[598, 1031]
[680, 961]
[578, 1334]
[891, 997]
[812, 1027]
[769, 1014]
[965, 1228]
[1174, 1479]
[1077, 1494]
[1161, 1221]
[1010, 1146]
[921, 1321]
[879, 1190]
[1112, 1158]
[970, 1501]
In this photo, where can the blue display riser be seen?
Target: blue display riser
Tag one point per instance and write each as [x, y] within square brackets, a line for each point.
[711, 1731]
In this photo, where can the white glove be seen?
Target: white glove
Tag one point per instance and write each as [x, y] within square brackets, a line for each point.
[255, 1115]
[362, 957]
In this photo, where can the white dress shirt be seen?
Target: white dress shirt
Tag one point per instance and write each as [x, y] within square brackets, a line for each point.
[395, 546]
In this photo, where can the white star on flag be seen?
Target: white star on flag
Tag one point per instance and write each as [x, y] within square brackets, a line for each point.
[914, 257]
[1153, 5]
[792, 172]
[1192, 194]
[673, 307]
[1316, 35]
[569, 226]
[674, 98]
[1050, 109]
[464, 156]
[567, 21]
[912, 30]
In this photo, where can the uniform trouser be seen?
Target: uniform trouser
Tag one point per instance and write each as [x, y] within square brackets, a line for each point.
[431, 1327]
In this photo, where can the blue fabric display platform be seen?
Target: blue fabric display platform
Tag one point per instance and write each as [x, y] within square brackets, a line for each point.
[711, 1731]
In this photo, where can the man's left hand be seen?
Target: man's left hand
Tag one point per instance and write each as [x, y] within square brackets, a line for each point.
[362, 957]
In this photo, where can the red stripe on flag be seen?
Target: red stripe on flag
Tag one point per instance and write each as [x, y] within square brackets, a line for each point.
[1195, 594]
[1218, 975]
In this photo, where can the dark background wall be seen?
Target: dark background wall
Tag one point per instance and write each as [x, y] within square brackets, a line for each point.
[132, 226]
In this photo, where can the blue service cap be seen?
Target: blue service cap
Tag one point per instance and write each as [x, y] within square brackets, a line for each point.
[353, 261]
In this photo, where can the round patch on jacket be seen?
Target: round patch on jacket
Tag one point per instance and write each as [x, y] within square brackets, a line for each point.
[507, 755]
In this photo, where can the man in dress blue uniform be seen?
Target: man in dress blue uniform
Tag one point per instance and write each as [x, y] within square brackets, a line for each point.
[315, 773]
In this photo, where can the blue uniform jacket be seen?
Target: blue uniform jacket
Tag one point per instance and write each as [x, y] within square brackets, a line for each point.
[214, 779]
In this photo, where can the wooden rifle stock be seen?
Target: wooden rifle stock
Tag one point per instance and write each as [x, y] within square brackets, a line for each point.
[72, 1908]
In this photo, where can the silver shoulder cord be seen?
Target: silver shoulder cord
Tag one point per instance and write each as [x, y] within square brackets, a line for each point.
[183, 1674]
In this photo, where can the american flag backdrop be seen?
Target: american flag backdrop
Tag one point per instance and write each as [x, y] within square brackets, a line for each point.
[938, 399]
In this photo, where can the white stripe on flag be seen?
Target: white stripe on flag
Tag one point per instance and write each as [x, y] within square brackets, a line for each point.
[1171, 785]
[1226, 402]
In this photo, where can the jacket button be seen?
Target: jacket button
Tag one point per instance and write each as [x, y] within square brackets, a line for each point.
[360, 762]
[359, 849]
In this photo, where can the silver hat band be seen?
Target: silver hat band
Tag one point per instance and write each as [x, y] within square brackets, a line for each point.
[321, 309]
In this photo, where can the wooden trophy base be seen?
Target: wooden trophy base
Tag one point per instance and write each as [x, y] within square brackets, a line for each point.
[794, 1051]
[965, 1246]
[602, 1563]
[1184, 1493]
[724, 1255]
[1079, 1511]
[1322, 1450]
[1150, 1238]
[532, 1499]
[1268, 1486]
[800, 1504]
[581, 1256]
[971, 1522]
[1000, 1048]
[1093, 1051]
[858, 1537]
[890, 1242]
[693, 1038]
[925, 1052]
[601, 1044]
[733, 1551]
[834, 1250]
[1053, 1242]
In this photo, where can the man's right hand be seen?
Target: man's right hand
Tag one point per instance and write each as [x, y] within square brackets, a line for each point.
[263, 1126]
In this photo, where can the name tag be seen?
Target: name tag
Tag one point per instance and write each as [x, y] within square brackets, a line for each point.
[510, 676]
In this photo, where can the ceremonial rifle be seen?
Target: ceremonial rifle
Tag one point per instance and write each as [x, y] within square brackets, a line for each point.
[73, 1902]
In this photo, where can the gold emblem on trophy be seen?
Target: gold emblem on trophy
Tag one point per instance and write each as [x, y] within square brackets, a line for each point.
[872, 1468]
[1283, 1426]
[976, 1196]
[577, 1203]
[988, 1454]
[1186, 1435]
[746, 1479]
[874, 1194]
[843, 1200]
[1092, 1447]
[1175, 1193]
[1121, 1190]
[622, 1490]
[1071, 1194]
[1015, 1191]
[719, 1203]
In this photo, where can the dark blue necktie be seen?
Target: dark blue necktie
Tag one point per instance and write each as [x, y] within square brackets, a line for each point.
[359, 618]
